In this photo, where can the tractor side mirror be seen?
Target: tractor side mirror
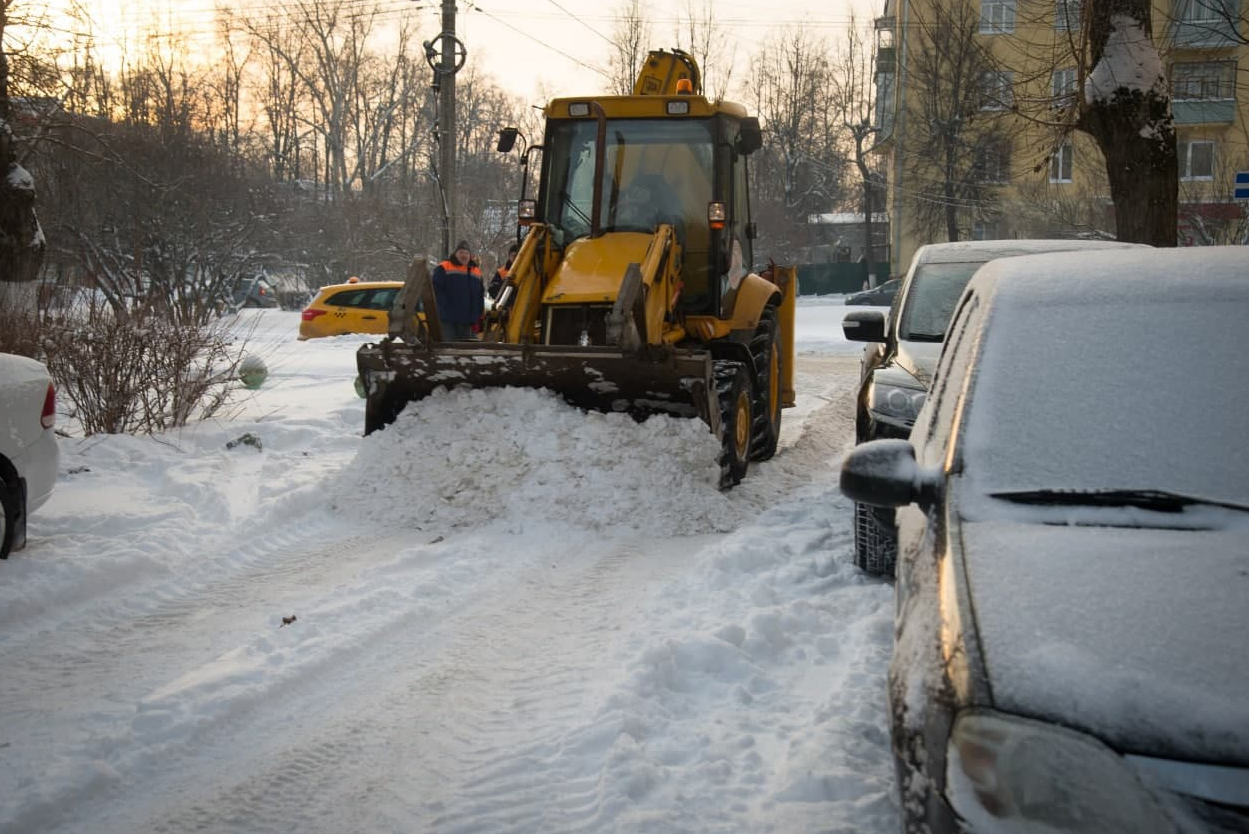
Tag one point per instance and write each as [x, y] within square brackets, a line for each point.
[751, 137]
[507, 139]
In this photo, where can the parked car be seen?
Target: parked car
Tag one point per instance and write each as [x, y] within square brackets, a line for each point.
[901, 351]
[353, 307]
[1072, 595]
[29, 453]
[255, 292]
[879, 296]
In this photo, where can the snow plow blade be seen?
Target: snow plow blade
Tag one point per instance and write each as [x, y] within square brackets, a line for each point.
[658, 381]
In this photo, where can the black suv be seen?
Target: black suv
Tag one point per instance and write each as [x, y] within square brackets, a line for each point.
[902, 351]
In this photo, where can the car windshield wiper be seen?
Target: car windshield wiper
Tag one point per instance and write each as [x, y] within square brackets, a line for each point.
[1145, 499]
[923, 337]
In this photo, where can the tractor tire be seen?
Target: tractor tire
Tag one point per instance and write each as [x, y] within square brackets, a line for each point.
[875, 542]
[736, 411]
[765, 350]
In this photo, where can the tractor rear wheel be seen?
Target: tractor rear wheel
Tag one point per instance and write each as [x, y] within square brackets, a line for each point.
[736, 396]
[765, 350]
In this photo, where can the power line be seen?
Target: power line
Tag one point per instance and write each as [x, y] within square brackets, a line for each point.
[539, 41]
[583, 23]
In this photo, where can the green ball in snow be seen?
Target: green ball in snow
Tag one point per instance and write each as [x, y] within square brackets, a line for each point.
[253, 372]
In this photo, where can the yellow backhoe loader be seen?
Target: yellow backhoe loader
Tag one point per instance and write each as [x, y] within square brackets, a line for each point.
[633, 289]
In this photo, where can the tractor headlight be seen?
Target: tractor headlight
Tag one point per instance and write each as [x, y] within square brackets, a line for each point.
[894, 402]
[1012, 774]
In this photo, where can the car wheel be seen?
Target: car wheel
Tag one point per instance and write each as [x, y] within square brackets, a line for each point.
[8, 518]
[875, 541]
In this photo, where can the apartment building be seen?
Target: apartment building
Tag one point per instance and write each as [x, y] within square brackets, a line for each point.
[976, 101]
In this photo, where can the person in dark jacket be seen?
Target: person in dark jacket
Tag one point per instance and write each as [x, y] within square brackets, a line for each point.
[459, 294]
[500, 275]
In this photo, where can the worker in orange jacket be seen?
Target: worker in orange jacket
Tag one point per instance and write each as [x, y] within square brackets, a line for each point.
[500, 275]
[459, 294]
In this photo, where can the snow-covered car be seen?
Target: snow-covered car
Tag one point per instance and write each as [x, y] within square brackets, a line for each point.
[29, 453]
[1072, 594]
[901, 351]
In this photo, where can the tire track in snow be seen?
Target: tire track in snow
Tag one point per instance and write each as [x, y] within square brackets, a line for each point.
[470, 736]
[474, 718]
[502, 757]
[100, 664]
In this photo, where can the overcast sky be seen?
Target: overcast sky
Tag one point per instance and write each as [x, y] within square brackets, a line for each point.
[537, 49]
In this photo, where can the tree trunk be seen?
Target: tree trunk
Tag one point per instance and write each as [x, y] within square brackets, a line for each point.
[1132, 125]
[1143, 171]
[21, 239]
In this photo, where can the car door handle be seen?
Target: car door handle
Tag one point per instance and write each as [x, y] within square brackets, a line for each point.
[369, 318]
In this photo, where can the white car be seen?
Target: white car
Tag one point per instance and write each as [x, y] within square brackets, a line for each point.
[28, 450]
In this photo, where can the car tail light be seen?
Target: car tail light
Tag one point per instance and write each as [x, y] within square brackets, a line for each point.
[311, 313]
[48, 418]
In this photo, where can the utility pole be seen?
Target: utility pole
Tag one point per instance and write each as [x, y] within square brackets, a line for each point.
[447, 132]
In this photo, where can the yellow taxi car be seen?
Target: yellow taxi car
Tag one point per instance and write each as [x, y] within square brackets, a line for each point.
[354, 307]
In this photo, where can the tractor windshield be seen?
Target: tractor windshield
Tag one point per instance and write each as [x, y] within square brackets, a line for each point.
[654, 171]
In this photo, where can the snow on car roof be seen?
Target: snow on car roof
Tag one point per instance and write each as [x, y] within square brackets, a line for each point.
[1138, 270]
[986, 250]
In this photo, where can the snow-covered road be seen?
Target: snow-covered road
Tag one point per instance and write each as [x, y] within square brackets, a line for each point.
[507, 617]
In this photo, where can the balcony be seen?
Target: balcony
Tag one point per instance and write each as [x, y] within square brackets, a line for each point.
[1203, 111]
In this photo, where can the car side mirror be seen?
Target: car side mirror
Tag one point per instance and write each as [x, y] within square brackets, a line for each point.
[884, 473]
[750, 139]
[507, 139]
[864, 326]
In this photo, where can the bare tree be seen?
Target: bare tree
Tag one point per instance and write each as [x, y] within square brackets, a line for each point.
[801, 168]
[958, 141]
[855, 71]
[632, 41]
[228, 84]
[701, 35]
[21, 237]
[277, 88]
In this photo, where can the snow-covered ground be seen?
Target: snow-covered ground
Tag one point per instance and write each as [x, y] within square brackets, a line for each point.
[499, 615]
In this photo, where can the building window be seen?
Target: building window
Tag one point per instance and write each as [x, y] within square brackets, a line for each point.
[984, 230]
[1196, 160]
[1202, 11]
[1063, 88]
[998, 16]
[1203, 80]
[992, 163]
[1067, 15]
[1060, 163]
[997, 90]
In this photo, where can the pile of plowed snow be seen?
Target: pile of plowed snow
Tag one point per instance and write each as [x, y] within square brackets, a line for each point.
[522, 457]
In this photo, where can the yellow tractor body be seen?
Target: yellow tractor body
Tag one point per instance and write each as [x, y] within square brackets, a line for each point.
[632, 289]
